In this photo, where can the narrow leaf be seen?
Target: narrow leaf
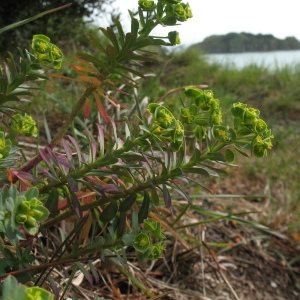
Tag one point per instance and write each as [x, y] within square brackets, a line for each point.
[127, 202]
[100, 139]
[130, 39]
[14, 25]
[72, 184]
[94, 272]
[109, 212]
[111, 55]
[229, 155]
[111, 189]
[68, 150]
[216, 156]
[144, 210]
[52, 202]
[86, 108]
[75, 203]
[101, 108]
[86, 228]
[125, 54]
[113, 38]
[120, 31]
[195, 170]
[167, 196]
[86, 274]
[73, 141]
[92, 59]
[96, 43]
[134, 26]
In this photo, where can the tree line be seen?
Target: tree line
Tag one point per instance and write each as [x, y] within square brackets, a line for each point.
[246, 42]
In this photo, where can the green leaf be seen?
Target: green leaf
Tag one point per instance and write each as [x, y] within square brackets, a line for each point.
[14, 25]
[160, 42]
[195, 170]
[109, 212]
[167, 196]
[121, 226]
[150, 224]
[128, 238]
[11, 69]
[158, 232]
[240, 151]
[133, 71]
[216, 156]
[131, 156]
[144, 210]
[130, 40]
[32, 193]
[86, 274]
[217, 170]
[147, 28]
[12, 290]
[10, 205]
[113, 38]
[154, 197]
[120, 31]
[3, 86]
[96, 43]
[144, 58]
[134, 26]
[143, 42]
[112, 55]
[76, 204]
[125, 54]
[127, 202]
[90, 58]
[108, 159]
[229, 155]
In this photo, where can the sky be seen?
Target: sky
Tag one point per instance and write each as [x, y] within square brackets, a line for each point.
[216, 17]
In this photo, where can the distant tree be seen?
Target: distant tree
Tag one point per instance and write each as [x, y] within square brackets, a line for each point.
[61, 25]
[246, 42]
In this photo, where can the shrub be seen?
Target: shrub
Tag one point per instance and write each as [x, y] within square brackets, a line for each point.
[107, 180]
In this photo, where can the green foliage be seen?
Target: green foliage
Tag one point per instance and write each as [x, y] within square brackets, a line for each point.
[24, 125]
[20, 209]
[61, 25]
[45, 51]
[108, 178]
[12, 290]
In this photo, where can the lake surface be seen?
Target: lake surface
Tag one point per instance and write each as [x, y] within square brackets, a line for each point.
[272, 60]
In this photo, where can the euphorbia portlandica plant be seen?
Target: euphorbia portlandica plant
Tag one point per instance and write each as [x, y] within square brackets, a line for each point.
[129, 167]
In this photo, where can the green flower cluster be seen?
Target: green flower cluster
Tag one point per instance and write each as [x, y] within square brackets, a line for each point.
[142, 241]
[166, 13]
[5, 145]
[45, 51]
[24, 125]
[176, 11]
[147, 5]
[166, 127]
[20, 210]
[204, 109]
[29, 213]
[248, 124]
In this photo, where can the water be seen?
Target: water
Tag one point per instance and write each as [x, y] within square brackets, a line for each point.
[271, 60]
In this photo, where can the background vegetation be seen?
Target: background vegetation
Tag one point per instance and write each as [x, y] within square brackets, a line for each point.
[246, 42]
[65, 25]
